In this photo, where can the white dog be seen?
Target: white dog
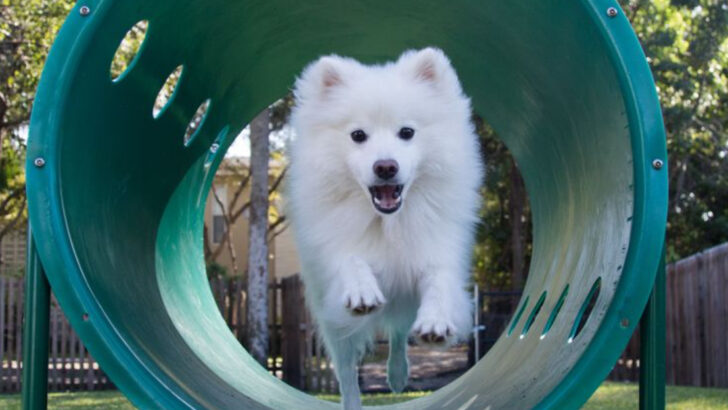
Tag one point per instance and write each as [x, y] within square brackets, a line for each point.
[383, 196]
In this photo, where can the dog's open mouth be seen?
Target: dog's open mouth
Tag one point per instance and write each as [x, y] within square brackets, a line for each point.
[386, 198]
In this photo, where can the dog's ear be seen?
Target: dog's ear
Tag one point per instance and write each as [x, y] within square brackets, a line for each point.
[429, 65]
[329, 72]
[321, 77]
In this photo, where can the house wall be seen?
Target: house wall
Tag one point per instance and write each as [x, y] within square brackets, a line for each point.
[283, 257]
[286, 255]
[13, 252]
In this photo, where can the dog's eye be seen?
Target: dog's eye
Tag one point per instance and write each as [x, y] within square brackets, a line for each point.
[359, 136]
[406, 133]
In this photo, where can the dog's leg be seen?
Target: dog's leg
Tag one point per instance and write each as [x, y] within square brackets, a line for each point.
[445, 313]
[397, 365]
[346, 354]
[349, 385]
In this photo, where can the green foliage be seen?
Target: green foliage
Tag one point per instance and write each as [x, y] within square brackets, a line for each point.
[686, 43]
[215, 270]
[493, 256]
[11, 163]
[128, 49]
[281, 112]
[12, 187]
[27, 30]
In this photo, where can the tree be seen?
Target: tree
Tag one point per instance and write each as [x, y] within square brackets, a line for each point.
[257, 300]
[265, 219]
[503, 238]
[27, 29]
[239, 204]
[686, 43]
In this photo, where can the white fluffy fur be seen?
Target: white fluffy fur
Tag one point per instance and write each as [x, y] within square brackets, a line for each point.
[412, 265]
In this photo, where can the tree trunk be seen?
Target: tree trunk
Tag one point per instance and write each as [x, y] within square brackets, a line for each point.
[517, 210]
[257, 300]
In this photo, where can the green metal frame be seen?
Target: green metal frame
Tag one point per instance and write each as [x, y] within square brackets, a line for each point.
[652, 350]
[117, 207]
[35, 332]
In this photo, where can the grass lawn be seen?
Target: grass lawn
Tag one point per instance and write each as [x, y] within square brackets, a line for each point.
[608, 396]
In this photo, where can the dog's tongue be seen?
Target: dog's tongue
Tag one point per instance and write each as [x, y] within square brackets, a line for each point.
[386, 196]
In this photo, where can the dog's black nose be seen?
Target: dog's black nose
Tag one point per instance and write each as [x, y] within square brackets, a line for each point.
[386, 168]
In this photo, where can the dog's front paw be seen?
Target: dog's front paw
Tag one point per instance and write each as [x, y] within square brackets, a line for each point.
[433, 331]
[363, 299]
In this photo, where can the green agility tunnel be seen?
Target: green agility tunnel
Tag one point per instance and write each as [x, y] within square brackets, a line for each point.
[117, 197]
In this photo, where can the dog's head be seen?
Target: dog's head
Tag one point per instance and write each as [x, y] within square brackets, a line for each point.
[382, 128]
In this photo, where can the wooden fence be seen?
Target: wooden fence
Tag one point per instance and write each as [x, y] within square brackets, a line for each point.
[696, 323]
[696, 318]
[70, 367]
[11, 341]
[697, 330]
[296, 356]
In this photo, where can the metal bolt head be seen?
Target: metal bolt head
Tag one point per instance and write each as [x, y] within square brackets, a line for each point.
[85, 10]
[214, 147]
[612, 11]
[657, 163]
[624, 323]
[39, 162]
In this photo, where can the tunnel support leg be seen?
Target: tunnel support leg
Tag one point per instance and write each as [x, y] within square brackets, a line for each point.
[35, 333]
[652, 347]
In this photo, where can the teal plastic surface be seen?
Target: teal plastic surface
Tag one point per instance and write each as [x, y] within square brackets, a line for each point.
[117, 210]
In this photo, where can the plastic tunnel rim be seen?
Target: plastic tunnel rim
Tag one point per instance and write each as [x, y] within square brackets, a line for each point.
[143, 372]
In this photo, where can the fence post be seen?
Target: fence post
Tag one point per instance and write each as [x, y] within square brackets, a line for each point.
[652, 348]
[292, 312]
[35, 337]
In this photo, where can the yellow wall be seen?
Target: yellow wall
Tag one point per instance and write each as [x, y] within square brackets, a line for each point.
[282, 250]
[286, 259]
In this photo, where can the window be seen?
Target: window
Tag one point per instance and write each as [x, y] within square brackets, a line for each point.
[218, 228]
[218, 216]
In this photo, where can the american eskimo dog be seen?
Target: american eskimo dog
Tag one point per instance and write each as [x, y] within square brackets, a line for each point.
[383, 197]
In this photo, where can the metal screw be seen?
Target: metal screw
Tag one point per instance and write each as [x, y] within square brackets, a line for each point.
[657, 164]
[39, 162]
[624, 323]
[85, 10]
[214, 147]
[612, 11]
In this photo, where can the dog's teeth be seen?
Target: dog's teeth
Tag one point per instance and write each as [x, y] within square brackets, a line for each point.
[377, 200]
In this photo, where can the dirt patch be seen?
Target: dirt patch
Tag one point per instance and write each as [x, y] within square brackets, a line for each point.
[430, 369]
